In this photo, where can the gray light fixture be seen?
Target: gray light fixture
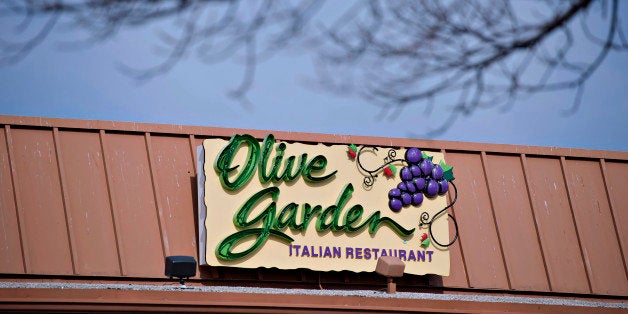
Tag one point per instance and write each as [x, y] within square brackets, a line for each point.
[182, 267]
[390, 266]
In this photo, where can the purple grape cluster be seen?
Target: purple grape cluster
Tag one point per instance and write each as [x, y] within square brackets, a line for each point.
[420, 177]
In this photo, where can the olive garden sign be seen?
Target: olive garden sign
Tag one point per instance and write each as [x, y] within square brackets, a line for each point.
[268, 203]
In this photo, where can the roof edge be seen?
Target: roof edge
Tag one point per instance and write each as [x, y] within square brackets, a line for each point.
[207, 131]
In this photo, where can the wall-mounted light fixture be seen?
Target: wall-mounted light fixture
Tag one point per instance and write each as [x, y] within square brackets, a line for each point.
[182, 267]
[390, 266]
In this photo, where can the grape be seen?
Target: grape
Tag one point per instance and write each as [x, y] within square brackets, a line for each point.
[443, 187]
[432, 188]
[419, 183]
[420, 178]
[406, 174]
[406, 199]
[437, 172]
[417, 199]
[394, 193]
[395, 204]
[426, 167]
[411, 187]
[413, 155]
[415, 170]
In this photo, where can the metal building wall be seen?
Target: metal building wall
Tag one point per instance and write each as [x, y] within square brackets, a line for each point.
[111, 199]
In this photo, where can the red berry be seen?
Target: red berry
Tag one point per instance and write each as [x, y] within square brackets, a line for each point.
[388, 173]
[423, 237]
[352, 154]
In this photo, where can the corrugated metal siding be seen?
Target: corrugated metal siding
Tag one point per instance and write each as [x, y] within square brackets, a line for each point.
[95, 249]
[11, 258]
[557, 233]
[98, 198]
[601, 252]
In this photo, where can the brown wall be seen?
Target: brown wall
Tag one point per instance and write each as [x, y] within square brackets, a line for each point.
[111, 199]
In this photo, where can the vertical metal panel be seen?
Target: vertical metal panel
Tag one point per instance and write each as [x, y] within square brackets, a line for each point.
[458, 274]
[591, 210]
[11, 259]
[116, 220]
[134, 205]
[174, 171]
[64, 197]
[88, 204]
[156, 193]
[478, 236]
[515, 223]
[42, 207]
[18, 201]
[558, 235]
[617, 183]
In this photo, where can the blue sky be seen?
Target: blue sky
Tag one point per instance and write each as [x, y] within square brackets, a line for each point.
[86, 84]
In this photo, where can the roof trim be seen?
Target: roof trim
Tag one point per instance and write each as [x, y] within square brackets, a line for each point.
[202, 131]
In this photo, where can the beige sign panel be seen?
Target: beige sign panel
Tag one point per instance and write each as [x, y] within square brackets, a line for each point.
[336, 223]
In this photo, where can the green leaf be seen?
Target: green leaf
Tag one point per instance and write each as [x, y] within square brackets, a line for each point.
[448, 171]
[353, 147]
[425, 243]
[393, 169]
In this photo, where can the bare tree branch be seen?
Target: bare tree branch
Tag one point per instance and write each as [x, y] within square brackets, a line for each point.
[432, 49]
[395, 54]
